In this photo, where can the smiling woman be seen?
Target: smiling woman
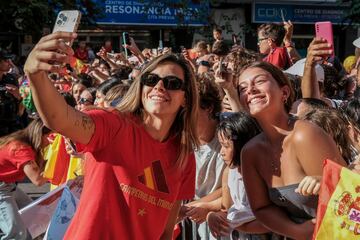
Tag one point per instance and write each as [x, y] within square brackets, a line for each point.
[283, 157]
[141, 165]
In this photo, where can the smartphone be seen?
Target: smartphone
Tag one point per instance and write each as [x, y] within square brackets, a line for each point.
[282, 15]
[67, 21]
[72, 145]
[221, 65]
[234, 39]
[324, 30]
[126, 41]
[126, 38]
[111, 55]
[154, 51]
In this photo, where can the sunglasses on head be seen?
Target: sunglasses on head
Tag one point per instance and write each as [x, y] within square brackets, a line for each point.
[170, 82]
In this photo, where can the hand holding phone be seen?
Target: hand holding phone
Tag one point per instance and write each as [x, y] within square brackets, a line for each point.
[70, 146]
[324, 30]
[67, 21]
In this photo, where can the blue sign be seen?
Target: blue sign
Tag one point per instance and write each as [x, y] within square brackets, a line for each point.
[298, 13]
[147, 12]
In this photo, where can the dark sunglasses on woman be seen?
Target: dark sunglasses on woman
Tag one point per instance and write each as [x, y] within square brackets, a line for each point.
[85, 101]
[170, 82]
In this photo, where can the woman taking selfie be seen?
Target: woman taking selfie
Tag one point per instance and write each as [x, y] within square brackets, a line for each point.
[20, 156]
[141, 165]
[282, 165]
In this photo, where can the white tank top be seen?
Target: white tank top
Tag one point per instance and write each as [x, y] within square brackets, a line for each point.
[240, 212]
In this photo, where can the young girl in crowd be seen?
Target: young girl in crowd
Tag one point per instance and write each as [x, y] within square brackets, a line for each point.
[79, 86]
[233, 133]
[87, 98]
[139, 164]
[286, 153]
[20, 156]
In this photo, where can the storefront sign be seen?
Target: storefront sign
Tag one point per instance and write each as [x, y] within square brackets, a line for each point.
[298, 13]
[146, 12]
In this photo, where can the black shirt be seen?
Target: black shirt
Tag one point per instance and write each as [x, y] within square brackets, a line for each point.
[9, 107]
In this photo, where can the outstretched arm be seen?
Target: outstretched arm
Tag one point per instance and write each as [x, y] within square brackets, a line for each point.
[316, 51]
[52, 107]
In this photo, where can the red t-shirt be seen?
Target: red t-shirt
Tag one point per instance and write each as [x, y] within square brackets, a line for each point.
[130, 181]
[13, 157]
[82, 54]
[279, 57]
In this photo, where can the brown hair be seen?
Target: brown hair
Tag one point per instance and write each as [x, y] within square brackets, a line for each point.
[274, 31]
[279, 77]
[185, 122]
[31, 136]
[201, 46]
[241, 57]
[209, 94]
[334, 124]
[220, 48]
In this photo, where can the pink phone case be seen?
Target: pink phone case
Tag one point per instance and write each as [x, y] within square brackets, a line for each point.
[324, 30]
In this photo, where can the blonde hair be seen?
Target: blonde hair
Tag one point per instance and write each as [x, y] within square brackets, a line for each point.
[185, 122]
[116, 92]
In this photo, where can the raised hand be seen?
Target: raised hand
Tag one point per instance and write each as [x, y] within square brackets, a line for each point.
[50, 53]
[289, 28]
[317, 51]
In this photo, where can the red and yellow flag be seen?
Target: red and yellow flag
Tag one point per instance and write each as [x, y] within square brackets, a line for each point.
[60, 166]
[338, 212]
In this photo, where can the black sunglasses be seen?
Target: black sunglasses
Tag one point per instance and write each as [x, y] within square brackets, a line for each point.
[170, 82]
[84, 100]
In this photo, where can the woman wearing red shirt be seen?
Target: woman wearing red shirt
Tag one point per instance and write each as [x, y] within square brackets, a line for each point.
[139, 164]
[20, 156]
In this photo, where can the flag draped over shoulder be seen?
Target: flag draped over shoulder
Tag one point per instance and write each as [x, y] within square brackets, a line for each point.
[338, 212]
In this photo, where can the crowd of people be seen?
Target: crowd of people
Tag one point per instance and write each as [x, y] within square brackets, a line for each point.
[223, 141]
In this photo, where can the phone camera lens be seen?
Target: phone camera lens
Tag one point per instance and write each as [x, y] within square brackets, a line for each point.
[65, 18]
[59, 22]
[61, 16]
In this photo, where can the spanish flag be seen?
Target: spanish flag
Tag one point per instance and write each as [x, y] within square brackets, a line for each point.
[78, 65]
[60, 166]
[57, 161]
[338, 212]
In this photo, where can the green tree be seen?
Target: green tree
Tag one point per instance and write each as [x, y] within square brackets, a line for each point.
[31, 16]
[353, 16]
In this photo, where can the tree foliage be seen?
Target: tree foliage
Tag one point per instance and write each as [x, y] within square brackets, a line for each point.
[31, 16]
[353, 17]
